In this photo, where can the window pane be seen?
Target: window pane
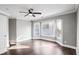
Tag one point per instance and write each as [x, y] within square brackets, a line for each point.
[59, 30]
[48, 28]
[36, 29]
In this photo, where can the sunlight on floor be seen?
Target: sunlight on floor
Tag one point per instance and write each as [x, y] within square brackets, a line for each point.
[19, 47]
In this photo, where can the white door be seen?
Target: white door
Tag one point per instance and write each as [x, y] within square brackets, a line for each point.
[4, 41]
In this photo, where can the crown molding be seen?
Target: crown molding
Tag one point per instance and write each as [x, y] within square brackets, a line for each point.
[4, 13]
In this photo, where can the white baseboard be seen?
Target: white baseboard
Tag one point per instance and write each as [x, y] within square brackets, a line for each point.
[3, 51]
[69, 46]
[22, 40]
[63, 44]
[58, 43]
[77, 51]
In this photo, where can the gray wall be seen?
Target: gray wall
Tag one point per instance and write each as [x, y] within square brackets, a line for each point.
[12, 30]
[78, 31]
[19, 30]
[69, 27]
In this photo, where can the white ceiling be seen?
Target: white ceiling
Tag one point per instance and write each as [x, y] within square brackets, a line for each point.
[46, 10]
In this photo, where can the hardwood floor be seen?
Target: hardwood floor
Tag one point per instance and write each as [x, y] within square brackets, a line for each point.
[39, 47]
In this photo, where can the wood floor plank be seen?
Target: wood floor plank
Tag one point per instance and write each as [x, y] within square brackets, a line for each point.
[39, 47]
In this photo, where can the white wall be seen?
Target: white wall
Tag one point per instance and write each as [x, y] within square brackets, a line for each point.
[23, 30]
[4, 39]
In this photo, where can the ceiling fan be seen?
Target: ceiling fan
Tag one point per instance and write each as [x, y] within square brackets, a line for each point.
[30, 11]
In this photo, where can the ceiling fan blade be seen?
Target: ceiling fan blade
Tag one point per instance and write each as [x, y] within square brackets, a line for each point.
[27, 14]
[36, 13]
[23, 12]
[33, 15]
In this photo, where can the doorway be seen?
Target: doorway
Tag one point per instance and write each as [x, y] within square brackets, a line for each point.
[12, 32]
